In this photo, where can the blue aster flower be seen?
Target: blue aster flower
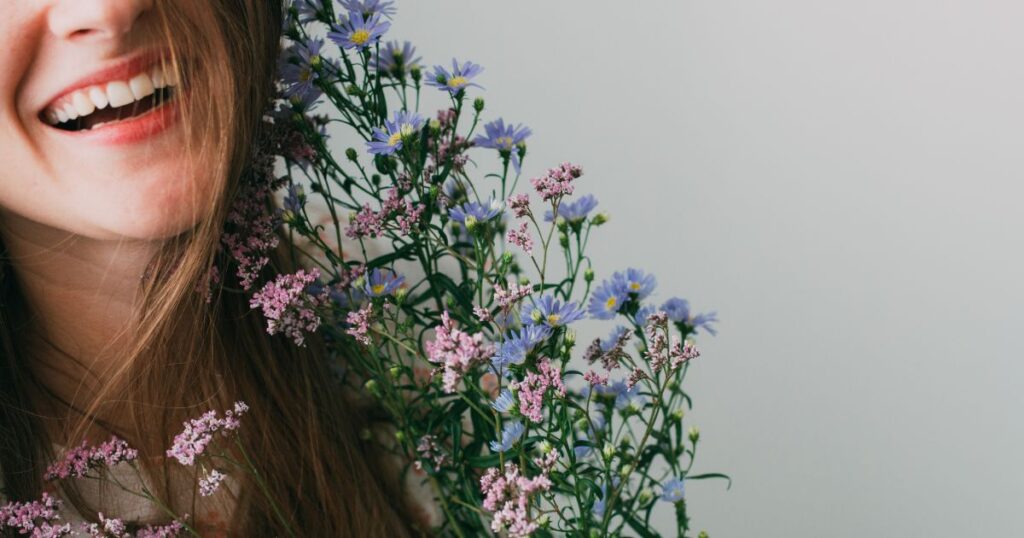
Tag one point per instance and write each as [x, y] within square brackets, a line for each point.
[504, 401]
[293, 200]
[390, 139]
[296, 69]
[599, 505]
[551, 312]
[396, 60]
[382, 282]
[607, 300]
[704, 321]
[673, 490]
[358, 31]
[458, 79]
[678, 310]
[308, 10]
[636, 281]
[369, 8]
[576, 211]
[630, 398]
[644, 312]
[481, 212]
[503, 138]
[509, 435]
[518, 345]
[608, 343]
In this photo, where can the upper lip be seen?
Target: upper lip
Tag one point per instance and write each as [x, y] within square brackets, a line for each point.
[123, 69]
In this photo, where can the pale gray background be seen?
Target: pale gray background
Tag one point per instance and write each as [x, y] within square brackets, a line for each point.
[842, 182]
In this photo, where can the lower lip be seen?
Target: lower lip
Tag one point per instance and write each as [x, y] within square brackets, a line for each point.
[131, 130]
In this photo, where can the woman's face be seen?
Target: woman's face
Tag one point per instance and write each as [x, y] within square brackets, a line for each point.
[90, 139]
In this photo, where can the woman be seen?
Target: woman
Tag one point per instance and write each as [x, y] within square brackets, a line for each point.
[125, 126]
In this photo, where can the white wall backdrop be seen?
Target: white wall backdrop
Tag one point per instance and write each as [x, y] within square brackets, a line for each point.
[842, 181]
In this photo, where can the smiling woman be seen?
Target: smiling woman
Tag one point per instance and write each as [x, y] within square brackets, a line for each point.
[123, 139]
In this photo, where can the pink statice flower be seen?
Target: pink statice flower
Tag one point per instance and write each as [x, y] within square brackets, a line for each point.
[429, 450]
[557, 182]
[533, 388]
[508, 296]
[199, 433]
[37, 518]
[370, 223]
[507, 496]
[288, 306]
[79, 461]
[359, 324]
[209, 484]
[456, 352]
[520, 237]
[520, 204]
[482, 314]
[682, 352]
[595, 378]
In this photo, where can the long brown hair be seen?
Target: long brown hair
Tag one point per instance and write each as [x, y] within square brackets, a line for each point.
[189, 355]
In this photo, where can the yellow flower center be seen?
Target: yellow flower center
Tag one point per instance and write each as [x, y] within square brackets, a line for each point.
[610, 304]
[360, 37]
[635, 286]
[553, 319]
[305, 75]
[394, 139]
[378, 289]
[457, 82]
[505, 141]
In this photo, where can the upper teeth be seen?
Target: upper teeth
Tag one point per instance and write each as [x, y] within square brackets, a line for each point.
[85, 101]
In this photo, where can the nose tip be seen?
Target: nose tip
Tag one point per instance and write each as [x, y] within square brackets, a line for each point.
[95, 19]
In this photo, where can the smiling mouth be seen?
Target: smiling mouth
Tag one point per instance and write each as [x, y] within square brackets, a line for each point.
[116, 101]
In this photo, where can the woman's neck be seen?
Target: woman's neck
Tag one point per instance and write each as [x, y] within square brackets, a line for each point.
[80, 293]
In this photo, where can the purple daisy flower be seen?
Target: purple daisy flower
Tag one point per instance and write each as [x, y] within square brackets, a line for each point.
[395, 61]
[518, 345]
[358, 31]
[673, 490]
[704, 321]
[635, 281]
[308, 10]
[481, 212]
[504, 401]
[551, 312]
[607, 300]
[368, 8]
[678, 309]
[389, 140]
[509, 435]
[503, 138]
[456, 80]
[297, 71]
[613, 337]
[575, 211]
[382, 282]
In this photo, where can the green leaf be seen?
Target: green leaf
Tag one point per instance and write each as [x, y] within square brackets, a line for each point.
[710, 475]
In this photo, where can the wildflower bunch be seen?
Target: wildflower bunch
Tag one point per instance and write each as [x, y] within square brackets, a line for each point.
[454, 291]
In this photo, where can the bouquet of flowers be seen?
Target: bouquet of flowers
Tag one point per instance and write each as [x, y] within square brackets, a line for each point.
[451, 300]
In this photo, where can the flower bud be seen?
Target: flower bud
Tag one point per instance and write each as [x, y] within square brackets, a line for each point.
[570, 338]
[352, 89]
[395, 371]
[624, 472]
[478, 104]
[595, 533]
[608, 451]
[673, 384]
[523, 281]
[645, 496]
[582, 424]
[694, 434]
[451, 302]
[359, 282]
[351, 154]
[563, 240]
[315, 61]
[544, 521]
[562, 224]
[400, 436]
[400, 295]
[297, 118]
[545, 447]
[434, 125]
[471, 223]
[416, 73]
[288, 216]
[372, 387]
[599, 219]
[588, 275]
[678, 415]
[703, 534]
